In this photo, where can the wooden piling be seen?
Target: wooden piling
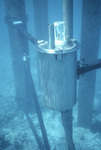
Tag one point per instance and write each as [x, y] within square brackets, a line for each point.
[25, 95]
[40, 12]
[15, 11]
[89, 50]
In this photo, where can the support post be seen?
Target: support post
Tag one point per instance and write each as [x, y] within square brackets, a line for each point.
[67, 123]
[15, 13]
[67, 116]
[41, 19]
[68, 18]
[89, 50]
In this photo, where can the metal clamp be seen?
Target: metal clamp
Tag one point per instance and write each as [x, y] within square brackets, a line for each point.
[15, 20]
[59, 55]
[25, 57]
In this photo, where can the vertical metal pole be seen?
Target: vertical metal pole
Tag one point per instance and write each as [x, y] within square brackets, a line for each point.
[51, 40]
[68, 18]
[41, 19]
[91, 23]
[67, 123]
[67, 116]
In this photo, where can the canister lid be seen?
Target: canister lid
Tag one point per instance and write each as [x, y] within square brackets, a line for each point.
[68, 47]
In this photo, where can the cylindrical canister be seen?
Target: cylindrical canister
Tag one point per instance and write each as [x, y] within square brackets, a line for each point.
[58, 73]
[58, 69]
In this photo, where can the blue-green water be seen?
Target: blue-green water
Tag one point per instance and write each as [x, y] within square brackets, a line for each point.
[15, 133]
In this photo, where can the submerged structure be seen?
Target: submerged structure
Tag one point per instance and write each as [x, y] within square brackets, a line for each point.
[58, 66]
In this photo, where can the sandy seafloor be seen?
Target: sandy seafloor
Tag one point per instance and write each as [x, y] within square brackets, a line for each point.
[15, 133]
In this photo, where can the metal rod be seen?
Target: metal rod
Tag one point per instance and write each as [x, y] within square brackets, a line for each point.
[68, 18]
[37, 107]
[67, 123]
[26, 34]
[88, 68]
[34, 132]
[51, 40]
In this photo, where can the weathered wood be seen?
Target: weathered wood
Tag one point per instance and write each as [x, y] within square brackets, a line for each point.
[41, 19]
[15, 11]
[89, 50]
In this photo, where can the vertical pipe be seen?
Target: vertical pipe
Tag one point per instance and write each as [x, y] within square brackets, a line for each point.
[51, 40]
[89, 50]
[68, 18]
[67, 116]
[41, 19]
[67, 123]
